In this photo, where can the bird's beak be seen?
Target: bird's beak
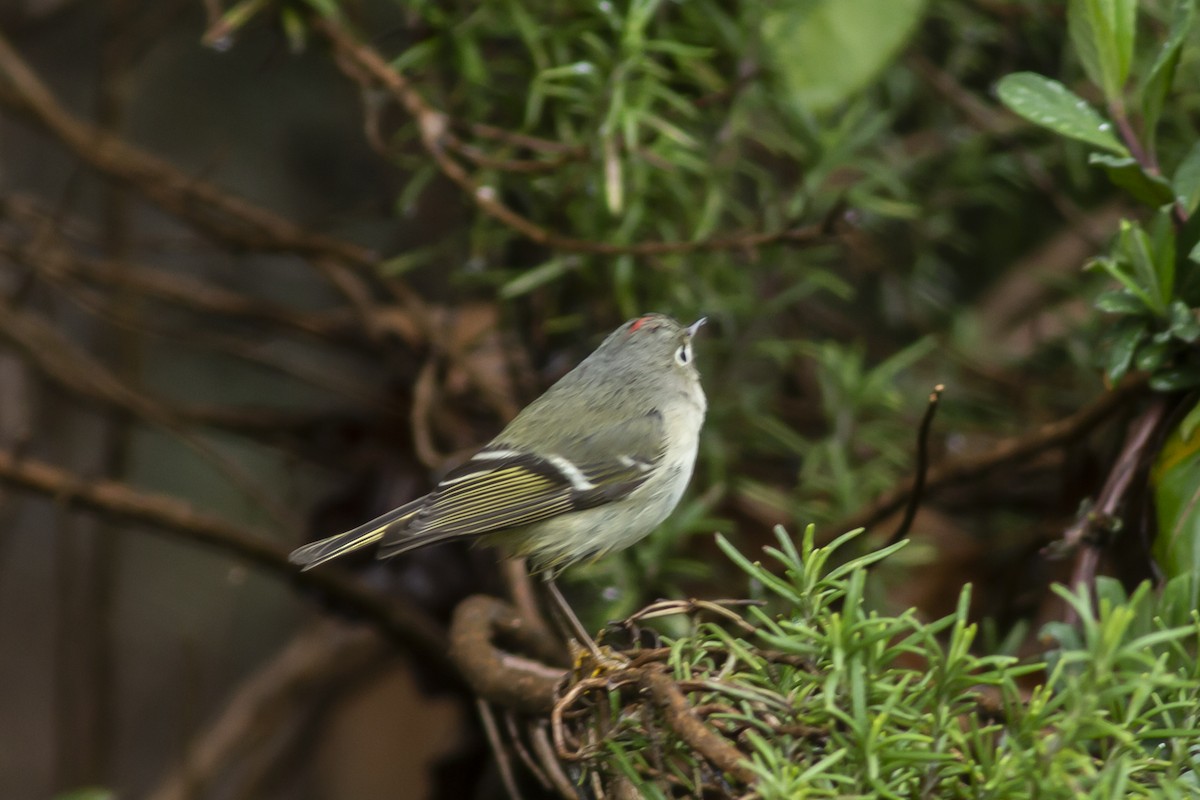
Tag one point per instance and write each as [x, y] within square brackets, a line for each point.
[695, 326]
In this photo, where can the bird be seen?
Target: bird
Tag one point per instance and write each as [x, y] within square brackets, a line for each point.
[590, 467]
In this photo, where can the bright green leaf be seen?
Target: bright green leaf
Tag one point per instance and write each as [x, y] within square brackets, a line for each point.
[1103, 32]
[828, 50]
[1050, 104]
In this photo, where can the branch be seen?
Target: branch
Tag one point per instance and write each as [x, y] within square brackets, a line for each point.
[198, 203]
[185, 291]
[1091, 531]
[364, 65]
[498, 676]
[225, 217]
[74, 370]
[402, 623]
[967, 468]
[666, 694]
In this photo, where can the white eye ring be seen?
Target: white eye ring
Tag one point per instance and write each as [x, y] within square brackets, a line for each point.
[683, 355]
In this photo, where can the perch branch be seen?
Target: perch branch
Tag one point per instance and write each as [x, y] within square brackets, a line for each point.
[500, 677]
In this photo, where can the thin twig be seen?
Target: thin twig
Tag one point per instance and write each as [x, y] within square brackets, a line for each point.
[554, 769]
[914, 499]
[218, 214]
[503, 761]
[1020, 448]
[179, 289]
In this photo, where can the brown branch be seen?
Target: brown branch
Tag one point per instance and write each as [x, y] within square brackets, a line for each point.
[498, 676]
[967, 468]
[201, 204]
[524, 140]
[364, 65]
[530, 166]
[74, 370]
[403, 624]
[1090, 532]
[220, 215]
[253, 351]
[180, 290]
[679, 715]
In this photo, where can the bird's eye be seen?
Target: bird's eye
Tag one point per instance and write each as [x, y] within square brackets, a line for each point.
[683, 355]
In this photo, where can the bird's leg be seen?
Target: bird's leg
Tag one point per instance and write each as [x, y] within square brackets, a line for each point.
[569, 624]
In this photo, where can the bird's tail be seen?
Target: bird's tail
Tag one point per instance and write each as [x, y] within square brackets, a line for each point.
[310, 555]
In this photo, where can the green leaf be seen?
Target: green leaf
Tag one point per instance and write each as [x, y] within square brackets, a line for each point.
[1184, 325]
[1162, 242]
[1152, 281]
[1103, 33]
[1125, 34]
[1191, 423]
[1176, 481]
[1119, 271]
[1050, 104]
[537, 276]
[1186, 182]
[1175, 380]
[1120, 301]
[1153, 190]
[828, 50]
[1159, 80]
[1124, 344]
[1152, 355]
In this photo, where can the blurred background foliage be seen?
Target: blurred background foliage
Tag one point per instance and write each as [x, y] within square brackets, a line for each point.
[833, 183]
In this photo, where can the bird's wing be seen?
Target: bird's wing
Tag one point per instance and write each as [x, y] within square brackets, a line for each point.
[504, 487]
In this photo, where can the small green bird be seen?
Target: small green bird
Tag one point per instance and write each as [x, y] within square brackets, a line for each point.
[590, 467]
